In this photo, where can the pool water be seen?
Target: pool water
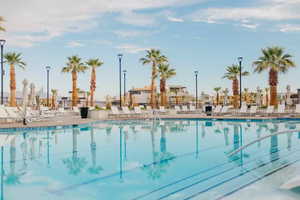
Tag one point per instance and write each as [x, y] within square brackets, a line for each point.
[143, 160]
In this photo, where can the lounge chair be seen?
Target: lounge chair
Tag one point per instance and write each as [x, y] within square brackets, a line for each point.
[270, 110]
[127, 112]
[243, 109]
[138, 111]
[115, 112]
[177, 109]
[224, 110]
[3, 114]
[162, 110]
[297, 109]
[253, 110]
[281, 109]
[185, 109]
[13, 113]
[217, 110]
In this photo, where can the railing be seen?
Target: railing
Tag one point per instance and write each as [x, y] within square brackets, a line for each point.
[260, 139]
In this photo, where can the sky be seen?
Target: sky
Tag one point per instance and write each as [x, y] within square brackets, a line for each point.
[204, 35]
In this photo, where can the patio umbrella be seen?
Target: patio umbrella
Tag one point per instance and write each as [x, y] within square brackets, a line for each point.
[258, 96]
[25, 96]
[32, 100]
[288, 99]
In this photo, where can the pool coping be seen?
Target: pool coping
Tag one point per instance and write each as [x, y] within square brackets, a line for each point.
[84, 122]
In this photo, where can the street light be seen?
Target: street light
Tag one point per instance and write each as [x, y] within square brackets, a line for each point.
[124, 79]
[240, 59]
[120, 77]
[196, 78]
[2, 42]
[48, 70]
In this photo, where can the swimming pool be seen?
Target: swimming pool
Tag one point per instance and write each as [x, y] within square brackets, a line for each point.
[141, 160]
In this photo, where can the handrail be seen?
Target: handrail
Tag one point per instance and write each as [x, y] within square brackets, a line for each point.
[262, 138]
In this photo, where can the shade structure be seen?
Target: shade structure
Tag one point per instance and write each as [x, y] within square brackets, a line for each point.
[25, 96]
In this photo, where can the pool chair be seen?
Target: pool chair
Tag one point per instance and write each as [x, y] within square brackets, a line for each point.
[243, 110]
[185, 109]
[149, 109]
[14, 114]
[225, 110]
[139, 112]
[115, 112]
[253, 110]
[217, 110]
[127, 112]
[280, 109]
[270, 110]
[177, 109]
[162, 110]
[3, 114]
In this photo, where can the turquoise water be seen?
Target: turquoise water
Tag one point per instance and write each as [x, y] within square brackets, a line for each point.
[169, 159]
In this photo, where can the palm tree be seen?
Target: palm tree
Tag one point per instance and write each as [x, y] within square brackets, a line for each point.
[217, 90]
[232, 73]
[165, 73]
[74, 66]
[1, 21]
[13, 59]
[275, 61]
[88, 94]
[267, 96]
[54, 95]
[93, 63]
[154, 58]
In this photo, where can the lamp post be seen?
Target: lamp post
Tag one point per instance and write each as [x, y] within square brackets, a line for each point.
[120, 78]
[196, 79]
[240, 59]
[124, 79]
[48, 70]
[2, 42]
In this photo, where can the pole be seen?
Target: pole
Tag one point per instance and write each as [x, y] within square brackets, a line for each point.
[2, 74]
[124, 73]
[197, 91]
[240, 65]
[120, 79]
[47, 87]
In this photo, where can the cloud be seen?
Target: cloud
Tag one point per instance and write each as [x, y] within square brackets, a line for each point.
[249, 26]
[266, 10]
[136, 19]
[130, 33]
[174, 19]
[289, 28]
[130, 48]
[55, 18]
[75, 44]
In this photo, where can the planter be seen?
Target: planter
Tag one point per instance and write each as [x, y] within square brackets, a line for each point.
[84, 112]
[98, 114]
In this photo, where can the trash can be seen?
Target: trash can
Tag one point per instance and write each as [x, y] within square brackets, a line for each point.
[84, 112]
[208, 110]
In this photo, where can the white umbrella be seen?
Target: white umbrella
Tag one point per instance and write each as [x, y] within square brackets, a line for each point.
[32, 100]
[258, 96]
[288, 99]
[25, 96]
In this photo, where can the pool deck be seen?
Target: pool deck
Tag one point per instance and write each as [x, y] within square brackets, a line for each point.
[76, 120]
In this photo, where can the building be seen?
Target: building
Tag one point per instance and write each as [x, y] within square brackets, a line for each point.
[178, 95]
[140, 96]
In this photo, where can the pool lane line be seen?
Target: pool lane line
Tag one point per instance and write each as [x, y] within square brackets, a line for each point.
[201, 172]
[220, 183]
[232, 178]
[130, 170]
[258, 179]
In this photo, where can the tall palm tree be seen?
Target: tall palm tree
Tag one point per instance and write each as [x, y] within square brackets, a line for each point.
[217, 90]
[54, 95]
[267, 96]
[153, 57]
[232, 73]
[13, 59]
[74, 66]
[1, 21]
[93, 63]
[165, 73]
[275, 61]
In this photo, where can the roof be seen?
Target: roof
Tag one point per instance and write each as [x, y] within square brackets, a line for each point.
[146, 88]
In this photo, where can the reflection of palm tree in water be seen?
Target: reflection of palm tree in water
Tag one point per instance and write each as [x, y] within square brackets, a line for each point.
[32, 148]
[161, 160]
[261, 126]
[75, 164]
[274, 155]
[12, 177]
[226, 138]
[94, 169]
[24, 151]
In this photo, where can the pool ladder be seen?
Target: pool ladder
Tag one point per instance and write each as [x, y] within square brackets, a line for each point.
[155, 116]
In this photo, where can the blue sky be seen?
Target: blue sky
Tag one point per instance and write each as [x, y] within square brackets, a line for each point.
[204, 35]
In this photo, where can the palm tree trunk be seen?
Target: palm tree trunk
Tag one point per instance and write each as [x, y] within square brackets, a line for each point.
[93, 86]
[217, 98]
[273, 81]
[12, 101]
[74, 89]
[235, 91]
[152, 97]
[163, 92]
